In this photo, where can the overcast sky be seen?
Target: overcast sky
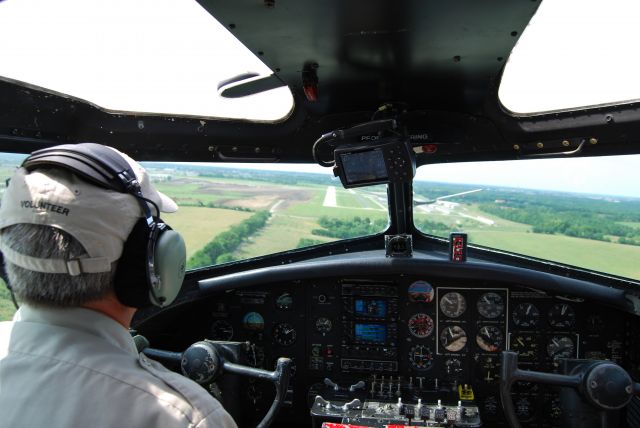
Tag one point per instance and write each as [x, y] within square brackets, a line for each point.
[169, 55]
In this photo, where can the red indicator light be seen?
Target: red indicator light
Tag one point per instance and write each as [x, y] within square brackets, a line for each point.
[429, 148]
[311, 92]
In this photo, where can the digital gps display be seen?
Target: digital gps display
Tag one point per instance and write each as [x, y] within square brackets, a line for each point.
[370, 333]
[375, 308]
[364, 167]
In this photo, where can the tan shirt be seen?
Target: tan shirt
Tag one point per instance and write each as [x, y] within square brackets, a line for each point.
[79, 368]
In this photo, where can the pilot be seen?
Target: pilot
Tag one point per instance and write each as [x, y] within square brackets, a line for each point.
[67, 359]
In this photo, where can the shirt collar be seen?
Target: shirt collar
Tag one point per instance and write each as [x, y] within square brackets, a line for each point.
[81, 319]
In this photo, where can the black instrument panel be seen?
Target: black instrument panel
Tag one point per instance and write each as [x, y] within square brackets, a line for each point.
[428, 337]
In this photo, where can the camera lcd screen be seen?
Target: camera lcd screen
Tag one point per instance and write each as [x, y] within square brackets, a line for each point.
[364, 167]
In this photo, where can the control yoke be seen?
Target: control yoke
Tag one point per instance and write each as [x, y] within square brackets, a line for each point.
[205, 361]
[604, 385]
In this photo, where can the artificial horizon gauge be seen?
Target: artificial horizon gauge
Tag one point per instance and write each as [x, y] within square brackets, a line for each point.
[453, 304]
[221, 330]
[526, 345]
[284, 334]
[284, 302]
[420, 325]
[560, 347]
[420, 357]
[323, 325]
[490, 305]
[420, 291]
[253, 321]
[453, 338]
[562, 315]
[525, 315]
[489, 338]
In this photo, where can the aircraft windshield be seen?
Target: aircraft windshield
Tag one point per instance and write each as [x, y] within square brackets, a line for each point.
[581, 212]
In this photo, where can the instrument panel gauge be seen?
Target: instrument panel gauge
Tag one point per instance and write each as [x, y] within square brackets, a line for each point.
[562, 315]
[490, 305]
[489, 338]
[453, 338]
[453, 367]
[284, 334]
[284, 302]
[323, 325]
[253, 321]
[420, 325]
[526, 315]
[420, 357]
[526, 345]
[560, 347]
[221, 330]
[453, 304]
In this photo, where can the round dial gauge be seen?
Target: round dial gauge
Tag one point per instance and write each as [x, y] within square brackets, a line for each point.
[453, 338]
[526, 345]
[561, 315]
[490, 305]
[421, 291]
[284, 302]
[323, 325]
[489, 338]
[420, 325]
[560, 347]
[253, 321]
[420, 357]
[453, 367]
[526, 315]
[453, 304]
[284, 334]
[221, 330]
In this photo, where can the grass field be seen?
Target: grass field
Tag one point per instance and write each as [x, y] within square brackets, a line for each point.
[6, 305]
[199, 225]
[623, 260]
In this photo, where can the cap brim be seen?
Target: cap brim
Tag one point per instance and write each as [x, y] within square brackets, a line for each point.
[168, 204]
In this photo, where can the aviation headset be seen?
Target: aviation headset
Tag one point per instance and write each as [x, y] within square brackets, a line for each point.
[152, 266]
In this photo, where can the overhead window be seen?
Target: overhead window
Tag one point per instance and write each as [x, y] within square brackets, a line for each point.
[145, 56]
[574, 54]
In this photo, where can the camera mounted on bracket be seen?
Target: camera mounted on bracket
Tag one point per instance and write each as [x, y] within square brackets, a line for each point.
[368, 153]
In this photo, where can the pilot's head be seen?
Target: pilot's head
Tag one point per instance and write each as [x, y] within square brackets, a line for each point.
[68, 239]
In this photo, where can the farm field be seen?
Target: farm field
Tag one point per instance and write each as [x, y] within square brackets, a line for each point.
[213, 200]
[199, 225]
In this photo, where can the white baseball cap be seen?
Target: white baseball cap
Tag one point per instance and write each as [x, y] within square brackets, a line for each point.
[100, 219]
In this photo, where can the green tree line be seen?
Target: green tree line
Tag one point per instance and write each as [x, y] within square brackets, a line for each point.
[547, 220]
[349, 228]
[220, 249]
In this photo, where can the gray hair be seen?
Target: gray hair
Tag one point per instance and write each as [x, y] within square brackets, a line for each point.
[52, 289]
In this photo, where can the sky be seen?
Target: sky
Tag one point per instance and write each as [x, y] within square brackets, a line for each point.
[167, 56]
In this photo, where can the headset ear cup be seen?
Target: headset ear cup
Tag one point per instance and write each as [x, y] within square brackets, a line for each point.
[131, 283]
[170, 260]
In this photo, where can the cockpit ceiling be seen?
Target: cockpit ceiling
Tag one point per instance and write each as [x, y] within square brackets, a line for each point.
[431, 55]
